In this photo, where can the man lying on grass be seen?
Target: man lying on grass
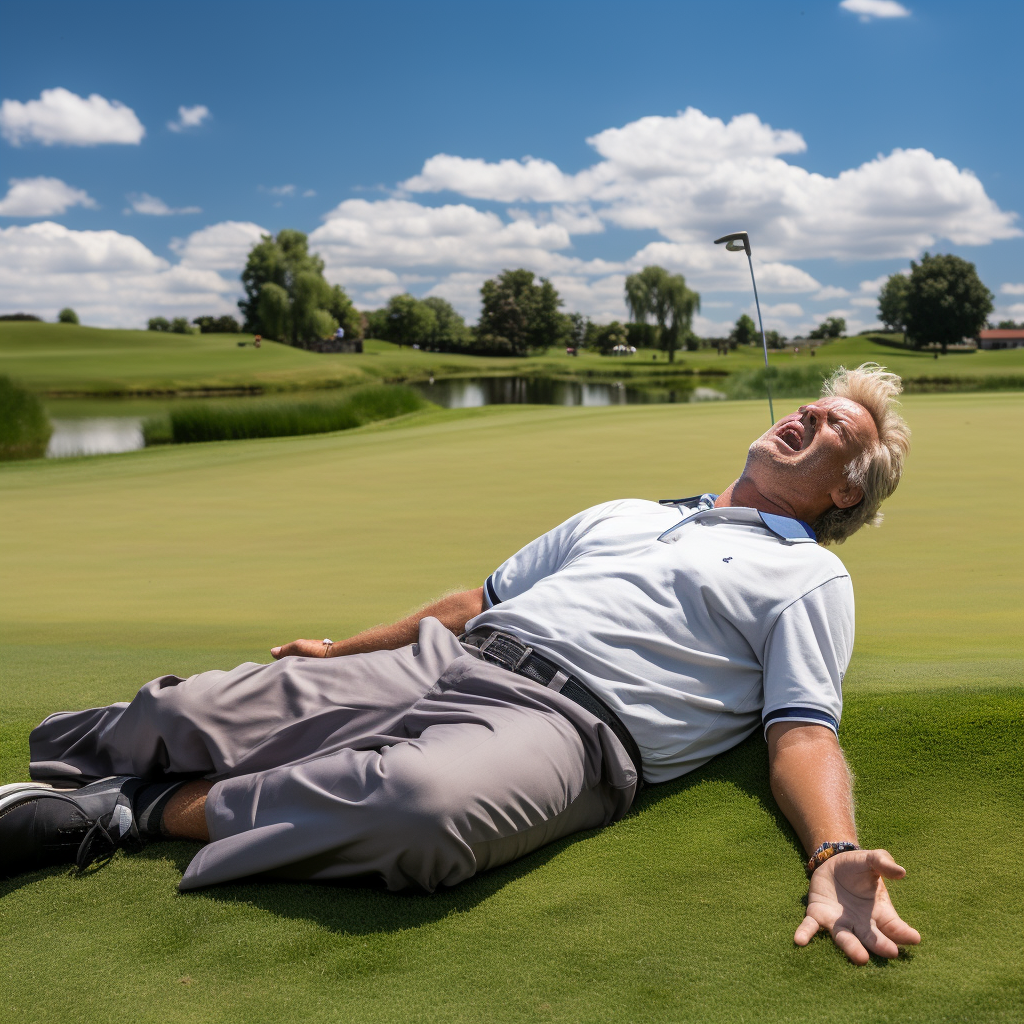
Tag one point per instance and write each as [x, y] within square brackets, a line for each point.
[634, 642]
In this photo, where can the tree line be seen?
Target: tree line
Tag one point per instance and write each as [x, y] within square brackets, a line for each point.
[287, 299]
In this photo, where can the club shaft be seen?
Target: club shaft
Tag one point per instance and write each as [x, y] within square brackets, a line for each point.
[764, 340]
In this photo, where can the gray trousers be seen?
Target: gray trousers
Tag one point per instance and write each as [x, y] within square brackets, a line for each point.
[419, 766]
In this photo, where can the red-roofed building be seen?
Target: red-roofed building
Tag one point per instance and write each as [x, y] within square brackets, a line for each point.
[1001, 338]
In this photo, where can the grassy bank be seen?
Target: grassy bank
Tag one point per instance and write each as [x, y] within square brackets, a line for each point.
[65, 359]
[260, 418]
[118, 569]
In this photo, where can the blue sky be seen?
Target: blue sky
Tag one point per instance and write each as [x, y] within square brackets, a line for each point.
[397, 135]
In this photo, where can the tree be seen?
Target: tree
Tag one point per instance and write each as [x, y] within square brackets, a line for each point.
[946, 301]
[158, 323]
[409, 321]
[286, 295]
[654, 292]
[892, 302]
[745, 331]
[775, 340]
[67, 316]
[180, 325]
[1010, 325]
[831, 327]
[609, 336]
[450, 333]
[581, 330]
[518, 316]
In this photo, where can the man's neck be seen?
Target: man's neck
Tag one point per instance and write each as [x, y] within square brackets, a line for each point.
[743, 492]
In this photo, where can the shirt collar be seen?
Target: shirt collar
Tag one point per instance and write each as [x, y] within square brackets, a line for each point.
[702, 506]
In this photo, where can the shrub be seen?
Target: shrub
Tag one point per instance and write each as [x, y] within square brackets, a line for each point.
[180, 325]
[67, 316]
[158, 323]
[21, 316]
[790, 382]
[24, 427]
[255, 418]
[217, 324]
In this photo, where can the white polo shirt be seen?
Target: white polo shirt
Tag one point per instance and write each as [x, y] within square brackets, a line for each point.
[694, 624]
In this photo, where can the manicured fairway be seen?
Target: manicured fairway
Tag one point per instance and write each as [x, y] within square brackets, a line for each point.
[120, 568]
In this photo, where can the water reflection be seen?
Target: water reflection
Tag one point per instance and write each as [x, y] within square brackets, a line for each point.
[97, 435]
[471, 393]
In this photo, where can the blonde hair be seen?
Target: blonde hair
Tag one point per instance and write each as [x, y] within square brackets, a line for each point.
[878, 469]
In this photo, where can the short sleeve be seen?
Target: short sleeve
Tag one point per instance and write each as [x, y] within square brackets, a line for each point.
[541, 557]
[806, 656]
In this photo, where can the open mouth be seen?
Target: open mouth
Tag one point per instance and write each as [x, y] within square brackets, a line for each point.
[792, 436]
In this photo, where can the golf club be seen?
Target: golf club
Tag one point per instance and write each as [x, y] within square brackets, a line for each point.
[734, 242]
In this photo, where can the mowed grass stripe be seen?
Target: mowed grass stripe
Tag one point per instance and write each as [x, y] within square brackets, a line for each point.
[126, 567]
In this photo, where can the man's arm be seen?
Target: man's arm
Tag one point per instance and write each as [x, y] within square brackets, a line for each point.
[812, 786]
[452, 610]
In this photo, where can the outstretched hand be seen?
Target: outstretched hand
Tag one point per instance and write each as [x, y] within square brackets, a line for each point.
[848, 897]
[301, 649]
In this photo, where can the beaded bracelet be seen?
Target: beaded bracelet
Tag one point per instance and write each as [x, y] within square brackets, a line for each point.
[826, 850]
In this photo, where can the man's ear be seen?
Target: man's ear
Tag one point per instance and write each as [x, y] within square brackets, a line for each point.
[846, 495]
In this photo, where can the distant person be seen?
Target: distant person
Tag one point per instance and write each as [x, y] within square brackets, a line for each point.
[339, 334]
[635, 641]
[256, 341]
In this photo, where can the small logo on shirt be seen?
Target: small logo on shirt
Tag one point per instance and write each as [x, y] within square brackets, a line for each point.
[729, 559]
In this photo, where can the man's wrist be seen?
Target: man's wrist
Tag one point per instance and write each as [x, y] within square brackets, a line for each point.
[826, 851]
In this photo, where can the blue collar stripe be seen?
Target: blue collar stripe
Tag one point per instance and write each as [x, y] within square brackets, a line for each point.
[787, 528]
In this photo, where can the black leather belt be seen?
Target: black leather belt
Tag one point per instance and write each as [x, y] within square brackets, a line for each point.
[511, 653]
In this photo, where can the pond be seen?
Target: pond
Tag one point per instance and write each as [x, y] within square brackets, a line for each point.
[110, 426]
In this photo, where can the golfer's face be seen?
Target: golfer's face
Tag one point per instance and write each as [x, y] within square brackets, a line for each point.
[806, 452]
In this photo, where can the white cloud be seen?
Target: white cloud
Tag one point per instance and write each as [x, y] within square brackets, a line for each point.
[1012, 289]
[691, 177]
[111, 279]
[868, 9]
[223, 246]
[309, 193]
[42, 197]
[144, 203]
[189, 117]
[282, 190]
[830, 292]
[60, 117]
[865, 301]
[781, 311]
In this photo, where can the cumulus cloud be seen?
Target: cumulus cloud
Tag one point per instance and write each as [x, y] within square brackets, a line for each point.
[110, 278]
[691, 176]
[868, 9]
[151, 206]
[61, 117]
[222, 246]
[42, 197]
[189, 117]
[830, 292]
[282, 190]
[1012, 289]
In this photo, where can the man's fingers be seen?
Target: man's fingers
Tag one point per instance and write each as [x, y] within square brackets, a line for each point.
[806, 931]
[851, 946]
[299, 649]
[882, 862]
[899, 931]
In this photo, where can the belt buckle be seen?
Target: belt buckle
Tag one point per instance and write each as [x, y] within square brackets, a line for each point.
[501, 653]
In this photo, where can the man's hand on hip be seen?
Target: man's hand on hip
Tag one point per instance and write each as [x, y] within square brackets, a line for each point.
[848, 897]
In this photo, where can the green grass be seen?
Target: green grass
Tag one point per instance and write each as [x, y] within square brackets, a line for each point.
[65, 359]
[202, 421]
[176, 559]
[24, 428]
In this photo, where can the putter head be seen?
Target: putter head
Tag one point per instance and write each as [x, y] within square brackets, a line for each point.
[736, 241]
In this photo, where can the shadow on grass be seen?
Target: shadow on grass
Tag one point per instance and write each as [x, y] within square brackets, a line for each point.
[361, 908]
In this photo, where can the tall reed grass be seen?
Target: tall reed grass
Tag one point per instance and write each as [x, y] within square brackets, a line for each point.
[24, 426]
[250, 418]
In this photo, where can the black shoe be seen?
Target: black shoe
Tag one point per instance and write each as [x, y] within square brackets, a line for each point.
[41, 826]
